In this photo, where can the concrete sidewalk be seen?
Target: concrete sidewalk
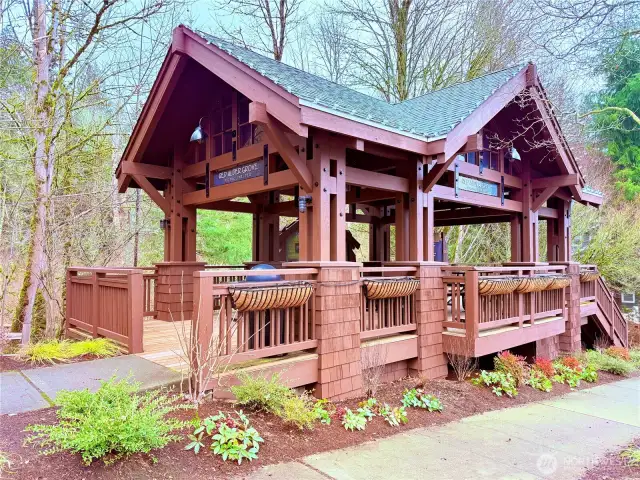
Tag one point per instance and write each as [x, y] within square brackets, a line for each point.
[37, 388]
[560, 439]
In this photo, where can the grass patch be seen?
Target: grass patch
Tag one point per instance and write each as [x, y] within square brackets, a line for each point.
[55, 351]
[634, 353]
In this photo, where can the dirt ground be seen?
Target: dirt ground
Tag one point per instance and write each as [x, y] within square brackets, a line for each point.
[282, 442]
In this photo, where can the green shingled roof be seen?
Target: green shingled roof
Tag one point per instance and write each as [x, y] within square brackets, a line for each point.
[428, 116]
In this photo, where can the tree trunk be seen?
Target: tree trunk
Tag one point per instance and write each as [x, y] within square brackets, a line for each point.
[43, 173]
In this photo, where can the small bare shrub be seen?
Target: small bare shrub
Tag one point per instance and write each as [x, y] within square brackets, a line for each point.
[601, 343]
[464, 363]
[374, 359]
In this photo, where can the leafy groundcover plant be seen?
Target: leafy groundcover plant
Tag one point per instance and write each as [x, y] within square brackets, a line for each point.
[417, 398]
[499, 382]
[114, 422]
[514, 365]
[233, 438]
[608, 363]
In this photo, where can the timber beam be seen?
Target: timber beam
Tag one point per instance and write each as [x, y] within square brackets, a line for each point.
[146, 170]
[155, 195]
[557, 181]
[258, 115]
[542, 198]
[476, 199]
[380, 181]
[275, 181]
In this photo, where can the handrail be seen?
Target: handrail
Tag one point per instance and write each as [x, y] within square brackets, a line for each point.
[256, 273]
[407, 269]
[612, 311]
[498, 269]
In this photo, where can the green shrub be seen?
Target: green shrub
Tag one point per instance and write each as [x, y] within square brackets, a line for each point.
[324, 410]
[632, 456]
[499, 382]
[568, 375]
[607, 363]
[299, 410]
[539, 381]
[634, 353]
[269, 394]
[113, 422]
[52, 351]
[231, 438]
[394, 416]
[419, 399]
[508, 363]
[261, 393]
[353, 420]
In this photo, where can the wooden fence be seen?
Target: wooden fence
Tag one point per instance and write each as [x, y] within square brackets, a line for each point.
[106, 302]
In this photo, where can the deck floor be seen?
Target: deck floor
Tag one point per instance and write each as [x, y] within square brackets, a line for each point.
[164, 343]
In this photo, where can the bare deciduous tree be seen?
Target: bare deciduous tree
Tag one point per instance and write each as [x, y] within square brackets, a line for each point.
[266, 25]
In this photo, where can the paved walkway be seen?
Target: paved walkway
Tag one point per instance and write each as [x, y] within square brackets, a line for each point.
[37, 388]
[559, 439]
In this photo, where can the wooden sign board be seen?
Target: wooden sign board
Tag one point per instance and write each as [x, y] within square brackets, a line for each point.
[239, 173]
[478, 186]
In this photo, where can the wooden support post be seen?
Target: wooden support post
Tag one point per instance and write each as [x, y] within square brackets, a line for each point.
[429, 225]
[201, 329]
[516, 237]
[416, 213]
[338, 218]
[174, 290]
[530, 247]
[95, 303]
[320, 235]
[135, 311]
[402, 227]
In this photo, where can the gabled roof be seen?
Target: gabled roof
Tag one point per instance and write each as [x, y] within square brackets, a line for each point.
[429, 116]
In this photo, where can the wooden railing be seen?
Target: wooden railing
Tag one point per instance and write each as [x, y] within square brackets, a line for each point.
[386, 316]
[469, 313]
[617, 324]
[150, 278]
[588, 289]
[234, 336]
[105, 302]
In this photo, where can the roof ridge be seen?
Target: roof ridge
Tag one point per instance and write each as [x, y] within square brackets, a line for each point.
[200, 32]
[457, 84]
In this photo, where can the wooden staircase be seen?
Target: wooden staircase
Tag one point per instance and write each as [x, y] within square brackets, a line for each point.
[607, 315]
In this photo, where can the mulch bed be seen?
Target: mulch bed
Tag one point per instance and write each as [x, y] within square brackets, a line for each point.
[8, 363]
[612, 466]
[282, 443]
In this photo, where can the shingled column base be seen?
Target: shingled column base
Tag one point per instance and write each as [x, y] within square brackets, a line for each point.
[571, 340]
[337, 319]
[430, 305]
[174, 290]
